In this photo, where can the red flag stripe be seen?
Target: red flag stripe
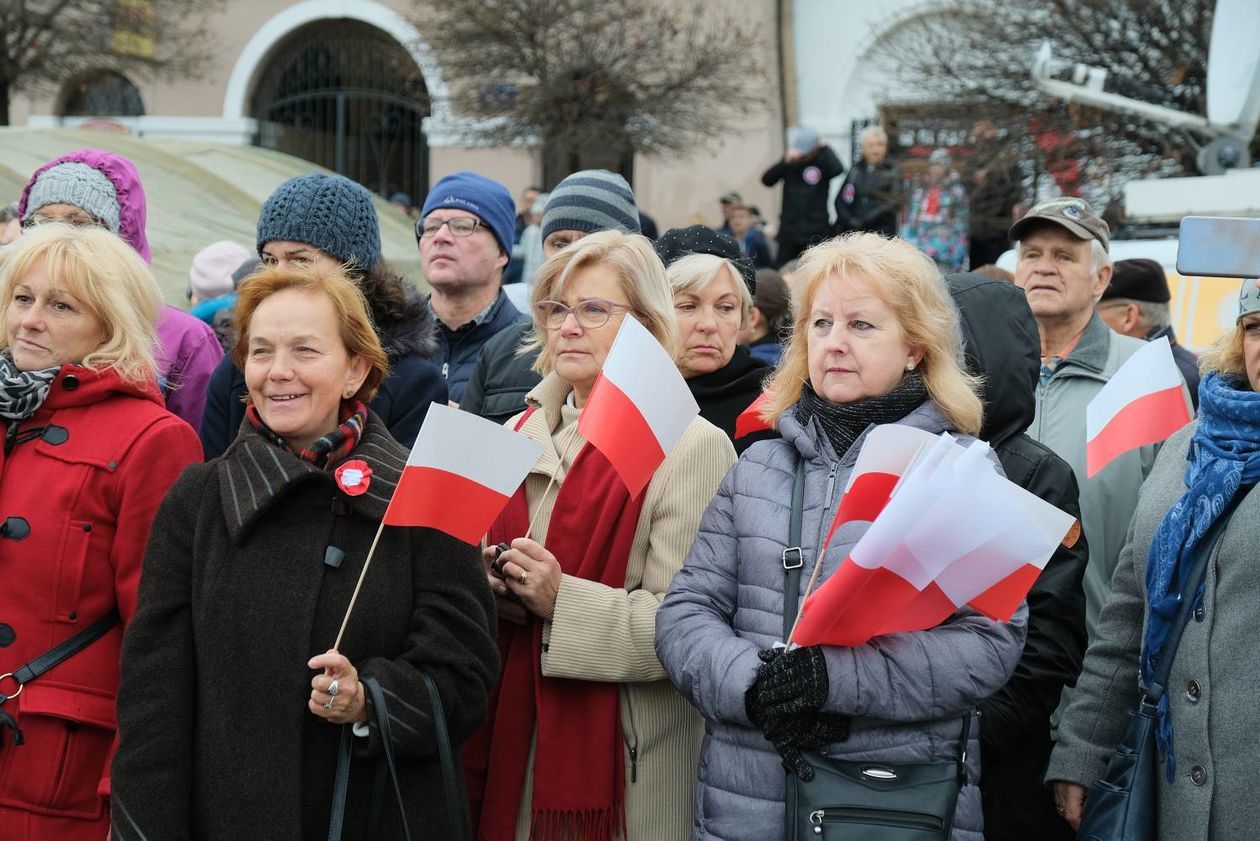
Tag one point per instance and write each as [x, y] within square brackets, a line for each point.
[750, 420]
[1147, 420]
[855, 607]
[612, 423]
[448, 502]
[862, 502]
[1000, 601]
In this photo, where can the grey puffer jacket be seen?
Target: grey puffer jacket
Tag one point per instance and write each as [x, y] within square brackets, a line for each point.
[907, 692]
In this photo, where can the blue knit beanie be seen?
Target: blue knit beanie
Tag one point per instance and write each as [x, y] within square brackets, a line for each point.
[330, 212]
[483, 197]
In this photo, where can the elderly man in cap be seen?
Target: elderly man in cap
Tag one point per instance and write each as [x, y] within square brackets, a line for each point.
[465, 235]
[584, 203]
[1064, 268]
[1135, 304]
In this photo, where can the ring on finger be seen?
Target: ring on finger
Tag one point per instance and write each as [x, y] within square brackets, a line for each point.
[328, 706]
[334, 688]
[1062, 810]
[524, 576]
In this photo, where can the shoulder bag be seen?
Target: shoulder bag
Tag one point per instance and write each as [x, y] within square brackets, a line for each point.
[456, 813]
[874, 801]
[1123, 804]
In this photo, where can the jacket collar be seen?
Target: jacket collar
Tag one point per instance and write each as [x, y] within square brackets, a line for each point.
[547, 399]
[254, 474]
[811, 443]
[1091, 352]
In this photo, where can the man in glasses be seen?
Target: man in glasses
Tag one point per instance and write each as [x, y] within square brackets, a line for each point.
[465, 235]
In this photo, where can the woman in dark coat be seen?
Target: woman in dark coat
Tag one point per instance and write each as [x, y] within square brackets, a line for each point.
[713, 288]
[329, 220]
[226, 699]
[89, 451]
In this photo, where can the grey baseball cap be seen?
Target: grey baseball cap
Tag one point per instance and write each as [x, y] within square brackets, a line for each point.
[1249, 297]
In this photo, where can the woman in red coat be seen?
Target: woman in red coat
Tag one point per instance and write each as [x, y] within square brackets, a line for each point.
[89, 451]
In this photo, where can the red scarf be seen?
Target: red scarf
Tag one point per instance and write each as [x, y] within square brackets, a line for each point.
[579, 763]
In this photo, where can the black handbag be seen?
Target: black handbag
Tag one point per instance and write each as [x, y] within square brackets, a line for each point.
[873, 801]
[1123, 804]
[456, 813]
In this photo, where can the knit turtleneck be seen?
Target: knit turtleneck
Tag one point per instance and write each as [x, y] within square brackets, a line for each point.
[843, 423]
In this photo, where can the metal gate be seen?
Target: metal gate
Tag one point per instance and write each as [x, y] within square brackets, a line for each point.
[347, 96]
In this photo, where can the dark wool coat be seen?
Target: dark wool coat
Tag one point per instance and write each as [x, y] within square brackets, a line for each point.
[501, 378]
[216, 738]
[76, 504]
[414, 382]
[1015, 723]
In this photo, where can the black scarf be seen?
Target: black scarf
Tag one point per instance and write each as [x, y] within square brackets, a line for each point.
[842, 423]
[22, 392]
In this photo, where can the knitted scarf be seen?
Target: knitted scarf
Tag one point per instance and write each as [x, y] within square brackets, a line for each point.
[22, 392]
[844, 423]
[1224, 455]
[330, 448]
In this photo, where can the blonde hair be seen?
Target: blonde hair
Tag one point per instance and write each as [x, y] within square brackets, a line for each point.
[908, 282]
[108, 278]
[349, 304]
[691, 274]
[1225, 356]
[642, 278]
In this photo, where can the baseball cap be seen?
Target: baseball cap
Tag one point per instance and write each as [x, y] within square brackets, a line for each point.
[1072, 214]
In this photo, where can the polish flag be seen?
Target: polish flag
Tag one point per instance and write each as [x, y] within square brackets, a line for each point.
[750, 420]
[639, 407]
[1143, 403]
[461, 473]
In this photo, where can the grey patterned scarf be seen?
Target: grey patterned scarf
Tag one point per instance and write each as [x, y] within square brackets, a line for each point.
[843, 424]
[22, 392]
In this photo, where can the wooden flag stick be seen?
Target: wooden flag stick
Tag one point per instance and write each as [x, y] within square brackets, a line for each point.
[572, 439]
[358, 586]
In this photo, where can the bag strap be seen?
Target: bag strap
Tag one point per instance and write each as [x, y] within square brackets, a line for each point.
[377, 696]
[793, 558]
[1186, 598]
[60, 653]
[450, 786]
[341, 782]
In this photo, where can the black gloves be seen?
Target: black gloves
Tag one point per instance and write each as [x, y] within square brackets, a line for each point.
[784, 703]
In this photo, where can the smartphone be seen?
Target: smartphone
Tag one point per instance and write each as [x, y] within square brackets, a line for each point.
[1218, 246]
[497, 568]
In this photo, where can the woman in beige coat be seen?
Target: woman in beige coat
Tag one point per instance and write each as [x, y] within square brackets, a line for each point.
[586, 738]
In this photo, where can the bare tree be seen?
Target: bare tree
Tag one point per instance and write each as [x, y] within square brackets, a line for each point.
[973, 58]
[593, 81]
[44, 43]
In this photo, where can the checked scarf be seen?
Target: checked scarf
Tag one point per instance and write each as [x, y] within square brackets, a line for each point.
[327, 450]
[22, 392]
[1224, 455]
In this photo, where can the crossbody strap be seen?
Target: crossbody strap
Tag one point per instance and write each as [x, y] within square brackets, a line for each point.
[1197, 575]
[793, 557]
[450, 787]
[60, 653]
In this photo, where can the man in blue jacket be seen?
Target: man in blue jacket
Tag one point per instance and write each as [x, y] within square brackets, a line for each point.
[465, 237]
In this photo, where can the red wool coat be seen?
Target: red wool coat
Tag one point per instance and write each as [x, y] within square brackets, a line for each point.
[88, 502]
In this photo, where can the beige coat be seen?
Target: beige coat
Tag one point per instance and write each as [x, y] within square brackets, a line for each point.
[605, 634]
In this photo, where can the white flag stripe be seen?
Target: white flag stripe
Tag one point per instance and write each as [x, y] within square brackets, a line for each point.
[644, 372]
[888, 448]
[473, 447]
[1151, 369]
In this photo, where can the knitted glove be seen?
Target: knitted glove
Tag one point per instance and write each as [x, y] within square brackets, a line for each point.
[789, 682]
[809, 730]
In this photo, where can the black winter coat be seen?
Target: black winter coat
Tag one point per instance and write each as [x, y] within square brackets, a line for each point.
[806, 183]
[1002, 345]
[236, 595]
[461, 348]
[501, 378]
[728, 391]
[870, 198]
[414, 381]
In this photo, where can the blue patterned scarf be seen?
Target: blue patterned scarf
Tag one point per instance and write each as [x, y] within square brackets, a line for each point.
[1224, 455]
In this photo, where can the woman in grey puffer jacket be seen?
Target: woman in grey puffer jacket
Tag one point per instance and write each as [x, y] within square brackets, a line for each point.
[875, 341]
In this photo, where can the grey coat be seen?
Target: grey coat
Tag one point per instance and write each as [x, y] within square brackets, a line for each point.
[907, 692]
[1212, 686]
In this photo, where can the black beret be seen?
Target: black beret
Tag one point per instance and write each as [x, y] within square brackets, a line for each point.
[679, 242]
[1139, 279]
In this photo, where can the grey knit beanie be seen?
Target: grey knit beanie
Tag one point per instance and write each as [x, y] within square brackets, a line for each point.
[330, 212]
[80, 185]
[592, 200]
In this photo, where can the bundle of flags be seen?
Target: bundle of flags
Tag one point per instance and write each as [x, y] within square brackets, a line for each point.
[946, 531]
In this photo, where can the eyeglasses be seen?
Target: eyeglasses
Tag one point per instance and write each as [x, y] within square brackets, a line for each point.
[74, 221]
[461, 226]
[591, 314]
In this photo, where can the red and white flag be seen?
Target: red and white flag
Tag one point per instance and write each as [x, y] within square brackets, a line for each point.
[1143, 403]
[461, 473]
[750, 420]
[954, 532]
[639, 407]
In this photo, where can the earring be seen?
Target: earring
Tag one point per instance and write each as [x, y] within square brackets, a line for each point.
[349, 394]
[909, 366]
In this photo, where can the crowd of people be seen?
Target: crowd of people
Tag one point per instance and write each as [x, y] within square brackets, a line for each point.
[188, 500]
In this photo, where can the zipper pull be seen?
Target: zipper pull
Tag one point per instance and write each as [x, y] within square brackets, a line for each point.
[446, 369]
[634, 764]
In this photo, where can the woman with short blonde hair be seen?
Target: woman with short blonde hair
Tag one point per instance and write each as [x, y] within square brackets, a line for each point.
[908, 282]
[108, 277]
